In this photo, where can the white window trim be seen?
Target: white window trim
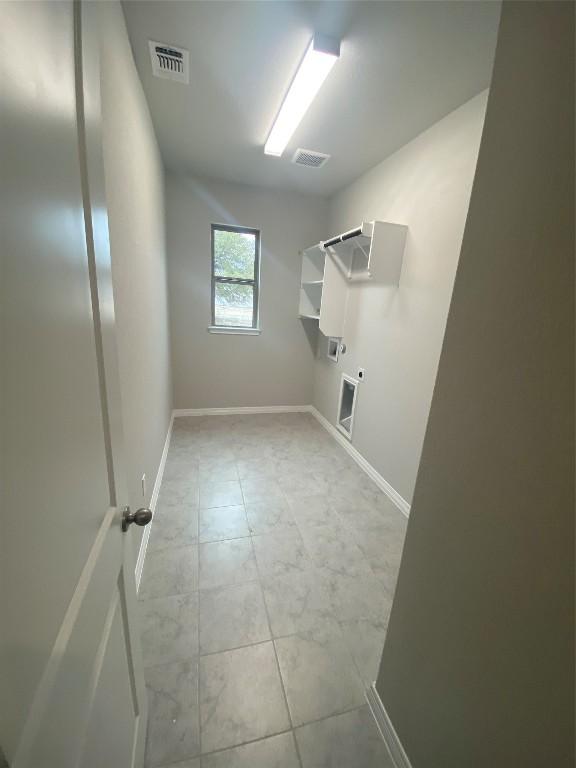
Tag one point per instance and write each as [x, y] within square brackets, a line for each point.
[234, 331]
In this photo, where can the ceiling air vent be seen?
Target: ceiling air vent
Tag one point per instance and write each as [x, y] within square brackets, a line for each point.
[169, 62]
[310, 158]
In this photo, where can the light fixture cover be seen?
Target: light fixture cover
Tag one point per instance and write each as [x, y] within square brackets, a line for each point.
[318, 60]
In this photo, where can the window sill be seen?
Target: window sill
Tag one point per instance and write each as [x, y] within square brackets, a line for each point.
[234, 331]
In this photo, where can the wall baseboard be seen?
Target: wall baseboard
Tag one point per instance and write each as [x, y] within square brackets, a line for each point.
[387, 731]
[372, 473]
[240, 411]
[153, 502]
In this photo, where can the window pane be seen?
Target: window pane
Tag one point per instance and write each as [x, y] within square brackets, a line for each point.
[234, 254]
[233, 304]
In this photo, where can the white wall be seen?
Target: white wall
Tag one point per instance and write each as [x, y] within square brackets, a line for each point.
[478, 666]
[135, 197]
[209, 370]
[396, 333]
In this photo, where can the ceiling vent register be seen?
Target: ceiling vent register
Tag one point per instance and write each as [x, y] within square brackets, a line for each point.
[309, 158]
[169, 62]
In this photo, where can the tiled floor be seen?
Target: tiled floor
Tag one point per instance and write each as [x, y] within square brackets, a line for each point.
[265, 598]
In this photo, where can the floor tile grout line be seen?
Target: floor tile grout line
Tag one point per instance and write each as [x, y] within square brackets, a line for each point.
[199, 687]
[199, 612]
[199, 589]
[275, 651]
[285, 499]
[337, 623]
[230, 538]
[292, 729]
[297, 748]
[242, 744]
[236, 647]
[259, 582]
[316, 720]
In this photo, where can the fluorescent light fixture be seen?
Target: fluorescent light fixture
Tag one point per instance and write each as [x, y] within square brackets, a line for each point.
[318, 60]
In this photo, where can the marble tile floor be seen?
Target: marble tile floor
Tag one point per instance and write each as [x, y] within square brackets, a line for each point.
[265, 598]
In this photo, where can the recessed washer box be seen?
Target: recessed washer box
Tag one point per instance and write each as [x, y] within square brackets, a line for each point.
[333, 348]
[347, 405]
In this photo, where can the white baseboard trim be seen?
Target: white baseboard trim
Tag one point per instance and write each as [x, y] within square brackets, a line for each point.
[387, 731]
[153, 502]
[372, 473]
[240, 411]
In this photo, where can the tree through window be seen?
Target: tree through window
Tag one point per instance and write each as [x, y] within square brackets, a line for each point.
[235, 273]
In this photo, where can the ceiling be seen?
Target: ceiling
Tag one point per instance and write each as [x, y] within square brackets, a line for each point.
[403, 65]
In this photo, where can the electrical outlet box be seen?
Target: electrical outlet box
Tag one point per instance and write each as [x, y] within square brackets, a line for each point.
[361, 375]
[144, 486]
[333, 349]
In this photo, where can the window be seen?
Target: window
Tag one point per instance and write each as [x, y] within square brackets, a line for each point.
[235, 274]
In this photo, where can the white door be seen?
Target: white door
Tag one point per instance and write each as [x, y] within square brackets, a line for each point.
[71, 685]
